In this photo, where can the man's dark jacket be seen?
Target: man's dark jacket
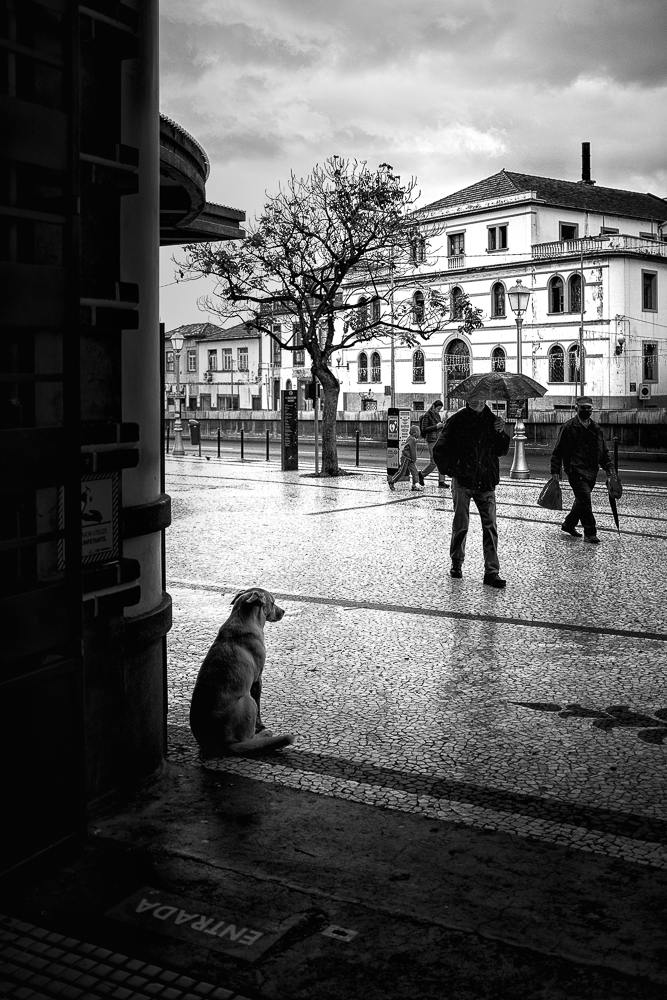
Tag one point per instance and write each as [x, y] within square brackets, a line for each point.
[581, 449]
[469, 447]
[431, 419]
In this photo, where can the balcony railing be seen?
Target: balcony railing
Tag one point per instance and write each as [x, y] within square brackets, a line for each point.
[456, 262]
[608, 243]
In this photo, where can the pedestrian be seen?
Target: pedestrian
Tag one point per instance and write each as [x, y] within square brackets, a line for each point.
[468, 450]
[582, 450]
[408, 460]
[430, 424]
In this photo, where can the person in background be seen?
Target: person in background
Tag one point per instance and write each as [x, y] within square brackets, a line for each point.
[408, 460]
[581, 448]
[468, 450]
[430, 425]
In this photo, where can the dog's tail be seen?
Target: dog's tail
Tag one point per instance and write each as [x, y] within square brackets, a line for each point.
[261, 744]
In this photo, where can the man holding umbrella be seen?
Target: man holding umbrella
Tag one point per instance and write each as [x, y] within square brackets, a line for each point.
[468, 450]
[582, 450]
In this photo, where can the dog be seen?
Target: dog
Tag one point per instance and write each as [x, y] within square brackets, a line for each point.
[224, 711]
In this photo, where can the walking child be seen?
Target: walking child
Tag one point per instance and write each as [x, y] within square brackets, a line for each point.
[408, 460]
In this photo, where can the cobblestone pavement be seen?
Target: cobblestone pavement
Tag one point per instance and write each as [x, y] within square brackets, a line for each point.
[539, 710]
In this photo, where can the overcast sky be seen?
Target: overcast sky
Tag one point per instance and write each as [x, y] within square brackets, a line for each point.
[450, 91]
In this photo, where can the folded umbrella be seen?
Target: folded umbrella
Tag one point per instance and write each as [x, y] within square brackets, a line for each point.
[614, 491]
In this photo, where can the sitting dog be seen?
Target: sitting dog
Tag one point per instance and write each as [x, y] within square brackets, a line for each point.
[224, 712]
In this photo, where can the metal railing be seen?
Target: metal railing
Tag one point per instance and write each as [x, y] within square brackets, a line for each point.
[607, 243]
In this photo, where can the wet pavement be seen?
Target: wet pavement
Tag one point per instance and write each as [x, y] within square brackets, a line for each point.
[539, 710]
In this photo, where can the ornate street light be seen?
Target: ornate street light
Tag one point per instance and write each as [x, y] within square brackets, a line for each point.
[177, 344]
[519, 297]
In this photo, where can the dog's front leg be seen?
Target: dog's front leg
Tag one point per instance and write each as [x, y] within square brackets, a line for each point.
[255, 694]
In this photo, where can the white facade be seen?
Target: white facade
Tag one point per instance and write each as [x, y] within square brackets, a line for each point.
[485, 243]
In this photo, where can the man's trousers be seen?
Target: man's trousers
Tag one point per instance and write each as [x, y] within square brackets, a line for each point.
[581, 508]
[485, 501]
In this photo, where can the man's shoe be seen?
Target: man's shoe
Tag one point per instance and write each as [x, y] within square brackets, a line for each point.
[421, 479]
[391, 486]
[456, 572]
[592, 539]
[570, 531]
[416, 489]
[493, 580]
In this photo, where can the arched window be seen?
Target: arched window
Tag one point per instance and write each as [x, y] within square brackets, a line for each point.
[556, 295]
[376, 311]
[556, 364]
[498, 358]
[288, 384]
[574, 290]
[457, 361]
[457, 302]
[418, 366]
[376, 367]
[362, 367]
[498, 299]
[418, 307]
[362, 313]
[573, 371]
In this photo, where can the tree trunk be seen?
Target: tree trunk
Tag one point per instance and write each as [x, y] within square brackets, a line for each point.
[331, 389]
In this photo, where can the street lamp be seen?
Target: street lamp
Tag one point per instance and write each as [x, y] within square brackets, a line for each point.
[177, 344]
[519, 296]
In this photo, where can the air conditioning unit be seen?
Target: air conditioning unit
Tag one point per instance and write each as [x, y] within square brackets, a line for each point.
[644, 390]
[208, 377]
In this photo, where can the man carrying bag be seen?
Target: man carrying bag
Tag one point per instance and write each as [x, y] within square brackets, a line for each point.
[582, 450]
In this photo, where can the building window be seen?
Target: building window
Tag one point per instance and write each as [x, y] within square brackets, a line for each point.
[568, 231]
[417, 249]
[456, 244]
[649, 291]
[497, 237]
[192, 403]
[498, 300]
[457, 302]
[169, 361]
[228, 402]
[418, 307]
[213, 361]
[242, 356]
[299, 356]
[376, 368]
[498, 359]
[556, 364]
[650, 362]
[362, 311]
[275, 348]
[647, 236]
[205, 401]
[573, 371]
[418, 366]
[362, 367]
[227, 363]
[192, 361]
[376, 311]
[574, 293]
[608, 231]
[556, 295]
[457, 361]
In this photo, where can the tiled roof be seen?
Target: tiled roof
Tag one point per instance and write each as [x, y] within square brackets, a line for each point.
[209, 331]
[565, 194]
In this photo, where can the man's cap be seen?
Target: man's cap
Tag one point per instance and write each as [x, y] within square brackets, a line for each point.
[584, 401]
[437, 402]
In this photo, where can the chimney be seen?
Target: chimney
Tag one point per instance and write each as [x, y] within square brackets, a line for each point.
[586, 163]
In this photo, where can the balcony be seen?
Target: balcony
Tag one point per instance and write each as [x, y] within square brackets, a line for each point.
[609, 243]
[456, 262]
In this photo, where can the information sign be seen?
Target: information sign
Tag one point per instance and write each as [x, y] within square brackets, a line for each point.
[517, 409]
[289, 430]
[398, 429]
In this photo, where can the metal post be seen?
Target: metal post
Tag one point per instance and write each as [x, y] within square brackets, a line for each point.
[316, 403]
[241, 444]
[581, 328]
[356, 461]
[392, 348]
[178, 423]
[218, 442]
[200, 443]
[167, 437]
[519, 468]
[267, 446]
[616, 453]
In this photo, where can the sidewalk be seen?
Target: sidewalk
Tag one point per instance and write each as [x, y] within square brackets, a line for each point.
[476, 792]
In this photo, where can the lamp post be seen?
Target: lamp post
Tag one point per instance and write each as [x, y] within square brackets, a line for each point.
[519, 296]
[177, 344]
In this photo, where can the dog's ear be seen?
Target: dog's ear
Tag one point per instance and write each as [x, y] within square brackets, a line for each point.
[250, 597]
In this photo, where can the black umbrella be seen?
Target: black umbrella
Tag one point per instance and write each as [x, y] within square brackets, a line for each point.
[614, 491]
[498, 385]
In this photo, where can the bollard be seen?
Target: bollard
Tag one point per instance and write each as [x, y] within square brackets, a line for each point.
[357, 449]
[168, 426]
[218, 442]
[241, 444]
[267, 446]
[616, 453]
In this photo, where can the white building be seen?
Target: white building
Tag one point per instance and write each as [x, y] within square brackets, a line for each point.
[547, 233]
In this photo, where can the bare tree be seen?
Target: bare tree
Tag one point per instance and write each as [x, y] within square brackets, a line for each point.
[343, 229]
